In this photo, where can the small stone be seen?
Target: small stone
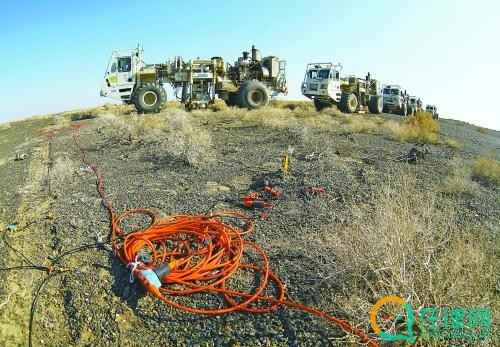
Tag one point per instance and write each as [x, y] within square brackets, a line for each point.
[215, 188]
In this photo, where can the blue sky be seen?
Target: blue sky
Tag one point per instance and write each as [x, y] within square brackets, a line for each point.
[54, 53]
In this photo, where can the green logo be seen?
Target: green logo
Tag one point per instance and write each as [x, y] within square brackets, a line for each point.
[440, 323]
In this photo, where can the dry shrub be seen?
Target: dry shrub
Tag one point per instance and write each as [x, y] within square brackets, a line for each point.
[424, 121]
[187, 141]
[487, 169]
[218, 105]
[453, 144]
[359, 125]
[459, 179]
[482, 130]
[173, 131]
[116, 128]
[147, 128]
[421, 128]
[117, 109]
[408, 243]
[62, 169]
[293, 105]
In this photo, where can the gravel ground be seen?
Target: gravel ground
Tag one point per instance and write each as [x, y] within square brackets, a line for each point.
[94, 304]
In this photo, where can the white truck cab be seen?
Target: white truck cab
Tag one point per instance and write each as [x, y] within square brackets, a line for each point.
[395, 99]
[120, 75]
[322, 82]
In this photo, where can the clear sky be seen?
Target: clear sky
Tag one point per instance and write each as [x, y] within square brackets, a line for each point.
[54, 53]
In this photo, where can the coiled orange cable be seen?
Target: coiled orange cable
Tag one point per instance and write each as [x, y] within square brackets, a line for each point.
[204, 253]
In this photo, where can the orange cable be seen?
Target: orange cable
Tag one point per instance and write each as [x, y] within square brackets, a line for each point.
[204, 253]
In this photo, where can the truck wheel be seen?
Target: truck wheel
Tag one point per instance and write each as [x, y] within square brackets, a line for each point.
[348, 103]
[320, 105]
[404, 110]
[376, 104]
[233, 99]
[253, 94]
[149, 98]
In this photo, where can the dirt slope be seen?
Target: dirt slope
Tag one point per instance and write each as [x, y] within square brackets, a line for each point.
[201, 162]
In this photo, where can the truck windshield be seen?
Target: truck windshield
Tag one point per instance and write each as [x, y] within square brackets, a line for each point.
[389, 91]
[124, 64]
[319, 74]
[324, 74]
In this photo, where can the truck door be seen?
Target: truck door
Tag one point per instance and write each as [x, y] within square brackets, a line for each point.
[111, 73]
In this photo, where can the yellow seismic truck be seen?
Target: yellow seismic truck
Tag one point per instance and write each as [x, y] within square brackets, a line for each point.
[249, 83]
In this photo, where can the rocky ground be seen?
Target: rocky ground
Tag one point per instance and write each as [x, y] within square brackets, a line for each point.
[92, 303]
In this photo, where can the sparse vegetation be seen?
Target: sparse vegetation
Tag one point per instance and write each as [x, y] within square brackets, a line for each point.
[77, 116]
[187, 141]
[173, 131]
[425, 233]
[459, 179]
[453, 144]
[293, 105]
[482, 130]
[408, 243]
[421, 127]
[487, 169]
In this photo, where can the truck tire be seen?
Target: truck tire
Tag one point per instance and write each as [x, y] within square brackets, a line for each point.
[348, 103]
[411, 111]
[403, 111]
[321, 105]
[233, 99]
[253, 94]
[149, 98]
[376, 104]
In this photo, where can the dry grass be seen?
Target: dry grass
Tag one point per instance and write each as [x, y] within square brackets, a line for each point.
[453, 144]
[480, 129]
[487, 169]
[407, 243]
[174, 131]
[459, 179]
[293, 105]
[421, 128]
[188, 141]
[357, 124]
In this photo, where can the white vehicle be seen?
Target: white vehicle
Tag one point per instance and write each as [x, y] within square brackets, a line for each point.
[249, 83]
[395, 100]
[322, 84]
[119, 79]
[432, 110]
[414, 105]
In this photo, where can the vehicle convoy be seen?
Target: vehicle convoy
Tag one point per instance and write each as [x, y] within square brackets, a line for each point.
[432, 110]
[250, 82]
[396, 100]
[414, 105]
[324, 85]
